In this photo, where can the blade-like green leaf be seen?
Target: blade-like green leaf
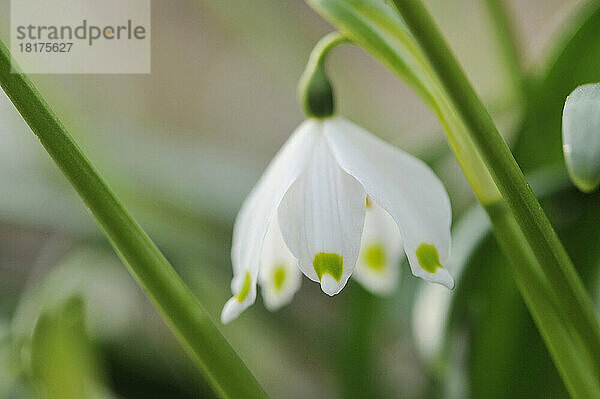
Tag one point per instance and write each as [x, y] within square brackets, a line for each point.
[63, 360]
[188, 319]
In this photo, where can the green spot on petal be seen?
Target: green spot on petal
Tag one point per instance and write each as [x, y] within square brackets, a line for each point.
[245, 288]
[428, 257]
[375, 258]
[279, 277]
[331, 264]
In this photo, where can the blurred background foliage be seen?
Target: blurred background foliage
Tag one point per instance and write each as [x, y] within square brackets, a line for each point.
[218, 104]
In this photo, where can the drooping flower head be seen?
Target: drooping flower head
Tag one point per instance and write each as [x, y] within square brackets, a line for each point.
[335, 202]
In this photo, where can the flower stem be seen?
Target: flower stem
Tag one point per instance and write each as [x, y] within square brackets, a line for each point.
[184, 314]
[531, 220]
[314, 89]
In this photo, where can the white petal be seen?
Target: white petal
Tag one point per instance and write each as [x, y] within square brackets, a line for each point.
[406, 188]
[279, 275]
[321, 218]
[378, 263]
[257, 211]
[240, 301]
[581, 136]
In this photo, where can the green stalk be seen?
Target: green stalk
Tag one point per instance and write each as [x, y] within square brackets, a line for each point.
[515, 190]
[572, 363]
[184, 314]
[314, 89]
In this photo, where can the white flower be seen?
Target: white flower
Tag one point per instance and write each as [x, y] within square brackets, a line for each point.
[336, 200]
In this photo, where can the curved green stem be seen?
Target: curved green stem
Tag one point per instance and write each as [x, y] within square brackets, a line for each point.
[188, 319]
[374, 27]
[507, 175]
[314, 89]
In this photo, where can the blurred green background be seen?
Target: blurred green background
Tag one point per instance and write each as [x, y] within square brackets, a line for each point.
[182, 147]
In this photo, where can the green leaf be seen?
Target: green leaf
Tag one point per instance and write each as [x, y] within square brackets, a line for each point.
[182, 311]
[488, 306]
[64, 363]
[487, 316]
[488, 309]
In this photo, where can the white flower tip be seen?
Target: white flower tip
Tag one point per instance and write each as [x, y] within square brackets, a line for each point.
[329, 268]
[430, 268]
[240, 302]
[441, 276]
[232, 309]
[329, 285]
